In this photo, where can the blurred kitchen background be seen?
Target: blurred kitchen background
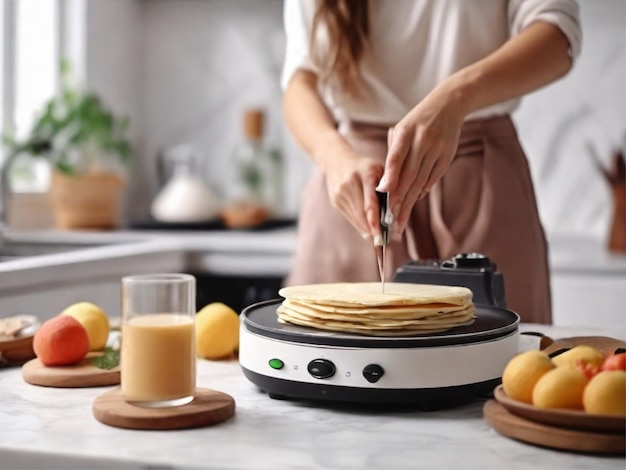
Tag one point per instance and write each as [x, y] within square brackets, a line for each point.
[186, 71]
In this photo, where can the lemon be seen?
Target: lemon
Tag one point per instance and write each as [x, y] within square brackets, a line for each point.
[95, 321]
[217, 331]
[606, 393]
[522, 373]
[562, 387]
[580, 353]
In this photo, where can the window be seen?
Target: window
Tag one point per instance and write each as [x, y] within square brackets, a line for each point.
[34, 36]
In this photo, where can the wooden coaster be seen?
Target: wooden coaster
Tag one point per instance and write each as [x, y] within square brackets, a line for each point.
[79, 375]
[544, 435]
[207, 407]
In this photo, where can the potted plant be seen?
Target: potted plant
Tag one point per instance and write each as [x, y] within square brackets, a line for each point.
[89, 150]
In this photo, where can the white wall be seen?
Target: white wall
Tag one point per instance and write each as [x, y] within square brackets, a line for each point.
[588, 106]
[114, 67]
[184, 71]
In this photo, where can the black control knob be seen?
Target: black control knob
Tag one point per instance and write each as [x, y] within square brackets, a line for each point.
[471, 261]
[373, 373]
[321, 368]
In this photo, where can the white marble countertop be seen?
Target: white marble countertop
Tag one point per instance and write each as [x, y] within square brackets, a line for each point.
[54, 428]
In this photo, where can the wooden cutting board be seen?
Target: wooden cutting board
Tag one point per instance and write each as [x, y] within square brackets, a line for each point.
[544, 435]
[208, 407]
[79, 375]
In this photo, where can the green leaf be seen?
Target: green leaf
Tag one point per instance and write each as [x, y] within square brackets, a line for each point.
[108, 360]
[65, 168]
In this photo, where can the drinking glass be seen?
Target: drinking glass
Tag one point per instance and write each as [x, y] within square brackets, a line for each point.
[158, 358]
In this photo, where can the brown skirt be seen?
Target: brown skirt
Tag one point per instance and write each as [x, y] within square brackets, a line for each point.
[485, 203]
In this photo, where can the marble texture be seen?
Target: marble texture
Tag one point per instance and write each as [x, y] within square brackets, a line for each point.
[43, 427]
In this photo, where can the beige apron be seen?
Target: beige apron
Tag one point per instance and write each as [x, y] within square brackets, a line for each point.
[485, 203]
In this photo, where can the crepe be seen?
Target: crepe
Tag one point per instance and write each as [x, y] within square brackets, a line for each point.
[403, 309]
[400, 312]
[347, 294]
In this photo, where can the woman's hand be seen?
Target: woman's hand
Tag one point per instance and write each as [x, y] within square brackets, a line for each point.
[351, 180]
[421, 148]
[425, 140]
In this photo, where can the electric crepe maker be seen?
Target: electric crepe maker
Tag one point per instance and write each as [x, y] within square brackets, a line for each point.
[428, 371]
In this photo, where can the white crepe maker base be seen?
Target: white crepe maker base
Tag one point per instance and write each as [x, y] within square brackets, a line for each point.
[289, 361]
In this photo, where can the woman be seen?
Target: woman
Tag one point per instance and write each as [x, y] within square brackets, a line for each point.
[438, 79]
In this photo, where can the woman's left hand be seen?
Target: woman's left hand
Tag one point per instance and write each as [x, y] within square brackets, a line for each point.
[421, 149]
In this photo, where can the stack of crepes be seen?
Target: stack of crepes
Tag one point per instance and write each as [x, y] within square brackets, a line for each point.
[402, 309]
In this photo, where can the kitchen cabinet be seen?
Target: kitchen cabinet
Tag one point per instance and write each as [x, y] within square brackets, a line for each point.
[44, 285]
[234, 267]
[588, 282]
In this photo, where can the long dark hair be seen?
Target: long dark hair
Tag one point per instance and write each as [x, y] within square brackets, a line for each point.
[347, 23]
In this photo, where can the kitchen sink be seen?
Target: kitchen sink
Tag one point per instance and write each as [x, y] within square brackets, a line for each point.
[11, 250]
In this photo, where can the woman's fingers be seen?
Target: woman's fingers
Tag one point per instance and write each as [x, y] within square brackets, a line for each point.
[355, 197]
[372, 213]
[401, 164]
[400, 140]
[414, 172]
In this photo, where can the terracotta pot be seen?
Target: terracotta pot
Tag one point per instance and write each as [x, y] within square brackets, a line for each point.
[89, 201]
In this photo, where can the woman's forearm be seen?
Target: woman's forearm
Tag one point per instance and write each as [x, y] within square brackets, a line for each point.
[309, 120]
[534, 58]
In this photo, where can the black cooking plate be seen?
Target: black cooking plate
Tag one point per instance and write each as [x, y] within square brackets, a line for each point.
[491, 323]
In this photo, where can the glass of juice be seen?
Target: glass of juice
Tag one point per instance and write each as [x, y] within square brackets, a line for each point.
[158, 357]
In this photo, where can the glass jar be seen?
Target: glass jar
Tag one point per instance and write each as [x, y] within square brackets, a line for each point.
[257, 168]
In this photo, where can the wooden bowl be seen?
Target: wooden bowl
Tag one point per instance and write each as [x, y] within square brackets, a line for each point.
[572, 419]
[244, 215]
[20, 349]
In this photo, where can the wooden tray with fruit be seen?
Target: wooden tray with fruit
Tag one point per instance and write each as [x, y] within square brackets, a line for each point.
[569, 396]
[71, 350]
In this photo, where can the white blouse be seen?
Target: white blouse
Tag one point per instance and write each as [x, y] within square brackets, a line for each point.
[416, 44]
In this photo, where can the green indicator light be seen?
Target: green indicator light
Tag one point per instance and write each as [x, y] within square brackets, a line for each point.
[276, 364]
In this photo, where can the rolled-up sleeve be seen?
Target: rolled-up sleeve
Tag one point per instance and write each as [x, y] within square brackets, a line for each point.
[298, 19]
[564, 14]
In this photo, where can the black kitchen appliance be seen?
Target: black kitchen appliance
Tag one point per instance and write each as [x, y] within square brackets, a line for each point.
[472, 270]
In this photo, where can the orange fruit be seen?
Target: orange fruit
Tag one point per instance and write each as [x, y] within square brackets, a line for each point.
[61, 341]
[522, 373]
[606, 393]
[560, 388]
[579, 354]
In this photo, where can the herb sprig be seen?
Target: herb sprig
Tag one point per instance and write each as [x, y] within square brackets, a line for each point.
[109, 360]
